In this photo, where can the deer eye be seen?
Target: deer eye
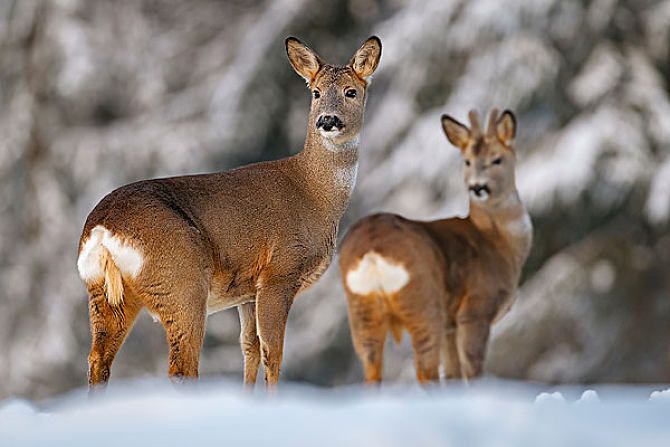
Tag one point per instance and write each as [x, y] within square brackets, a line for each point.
[467, 162]
[316, 93]
[497, 161]
[351, 93]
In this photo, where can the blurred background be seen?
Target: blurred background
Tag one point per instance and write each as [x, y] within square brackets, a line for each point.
[98, 93]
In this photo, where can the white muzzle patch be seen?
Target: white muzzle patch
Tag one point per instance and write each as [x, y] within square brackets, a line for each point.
[127, 258]
[482, 196]
[374, 273]
[330, 134]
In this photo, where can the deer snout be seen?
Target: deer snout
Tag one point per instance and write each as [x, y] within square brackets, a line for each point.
[480, 190]
[328, 122]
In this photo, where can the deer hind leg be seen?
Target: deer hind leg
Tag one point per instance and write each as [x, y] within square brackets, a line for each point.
[369, 324]
[472, 338]
[427, 337]
[249, 341]
[452, 364]
[109, 327]
[185, 335]
[420, 307]
[273, 302]
[183, 315]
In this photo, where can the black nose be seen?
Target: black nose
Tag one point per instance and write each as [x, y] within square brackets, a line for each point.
[479, 189]
[327, 122]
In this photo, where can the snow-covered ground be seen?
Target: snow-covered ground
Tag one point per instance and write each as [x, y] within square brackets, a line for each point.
[491, 413]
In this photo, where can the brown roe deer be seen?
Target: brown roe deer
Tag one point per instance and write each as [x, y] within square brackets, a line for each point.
[253, 237]
[444, 281]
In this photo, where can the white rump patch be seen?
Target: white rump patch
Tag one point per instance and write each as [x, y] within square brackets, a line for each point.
[374, 273]
[127, 258]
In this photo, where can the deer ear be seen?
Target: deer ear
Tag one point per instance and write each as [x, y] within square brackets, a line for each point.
[457, 133]
[303, 59]
[506, 127]
[366, 59]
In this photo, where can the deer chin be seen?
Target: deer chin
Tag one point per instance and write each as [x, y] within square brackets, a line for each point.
[338, 141]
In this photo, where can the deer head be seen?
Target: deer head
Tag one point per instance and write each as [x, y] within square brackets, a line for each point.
[489, 156]
[338, 92]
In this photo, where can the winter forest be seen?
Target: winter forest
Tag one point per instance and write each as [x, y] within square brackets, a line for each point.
[95, 94]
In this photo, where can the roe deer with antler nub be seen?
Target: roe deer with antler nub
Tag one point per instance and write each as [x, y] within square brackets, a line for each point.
[445, 281]
[253, 237]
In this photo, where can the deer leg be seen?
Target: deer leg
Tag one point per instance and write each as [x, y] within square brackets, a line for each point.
[420, 307]
[452, 364]
[249, 342]
[426, 342]
[184, 320]
[273, 302]
[369, 326]
[372, 357]
[109, 328]
[472, 338]
[185, 336]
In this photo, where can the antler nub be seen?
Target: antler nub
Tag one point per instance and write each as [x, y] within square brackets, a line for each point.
[475, 128]
[493, 119]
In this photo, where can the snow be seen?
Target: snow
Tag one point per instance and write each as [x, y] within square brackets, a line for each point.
[489, 413]
[663, 394]
[544, 398]
[589, 397]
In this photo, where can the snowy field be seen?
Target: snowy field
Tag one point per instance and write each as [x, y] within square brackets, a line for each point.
[491, 413]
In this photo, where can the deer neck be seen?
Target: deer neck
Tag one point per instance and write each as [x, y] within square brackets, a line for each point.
[508, 221]
[329, 171]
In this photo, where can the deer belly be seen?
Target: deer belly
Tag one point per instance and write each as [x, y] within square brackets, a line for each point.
[229, 289]
[312, 276]
[217, 302]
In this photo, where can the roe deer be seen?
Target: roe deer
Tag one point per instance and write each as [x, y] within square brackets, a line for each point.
[253, 237]
[444, 281]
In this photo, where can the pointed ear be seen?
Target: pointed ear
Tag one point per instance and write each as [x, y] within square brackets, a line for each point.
[366, 59]
[506, 127]
[303, 59]
[457, 134]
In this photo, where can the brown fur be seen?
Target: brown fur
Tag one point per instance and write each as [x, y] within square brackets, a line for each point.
[463, 273]
[252, 237]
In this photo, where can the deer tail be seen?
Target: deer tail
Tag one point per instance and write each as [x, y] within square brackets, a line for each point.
[396, 329]
[113, 279]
